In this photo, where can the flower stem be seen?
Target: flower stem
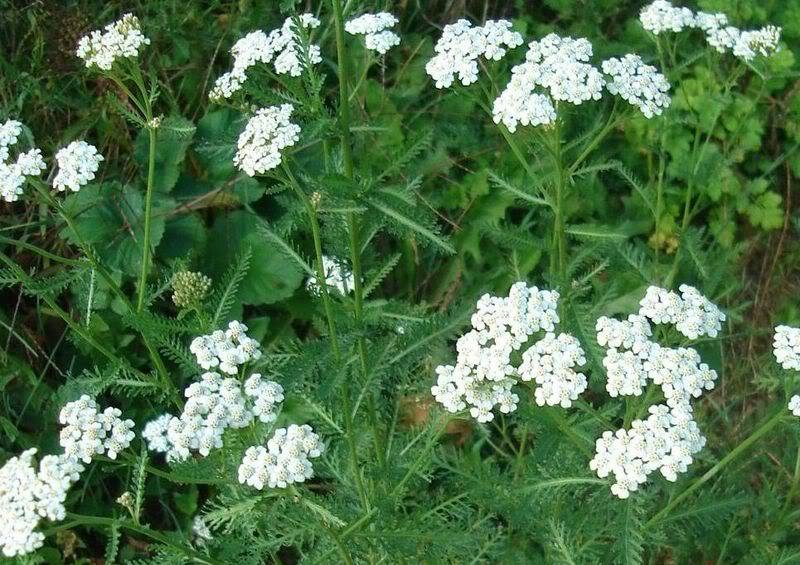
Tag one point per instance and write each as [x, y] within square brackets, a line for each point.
[321, 278]
[148, 212]
[558, 265]
[770, 423]
[352, 218]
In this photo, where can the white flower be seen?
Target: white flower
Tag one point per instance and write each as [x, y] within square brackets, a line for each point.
[794, 405]
[762, 42]
[279, 47]
[375, 29]
[786, 347]
[27, 496]
[664, 442]
[558, 64]
[337, 275]
[200, 530]
[284, 461]
[13, 175]
[638, 84]
[77, 164]
[460, 46]
[267, 134]
[667, 440]
[518, 104]
[563, 68]
[484, 375]
[121, 39]
[216, 403]
[226, 350]
[692, 314]
[88, 432]
[550, 363]
[9, 134]
[661, 16]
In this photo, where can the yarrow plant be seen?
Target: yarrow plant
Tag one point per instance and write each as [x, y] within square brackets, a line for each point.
[484, 375]
[13, 175]
[337, 276]
[669, 437]
[285, 460]
[28, 495]
[266, 269]
[375, 29]
[462, 45]
[264, 138]
[121, 39]
[661, 16]
[281, 47]
[77, 164]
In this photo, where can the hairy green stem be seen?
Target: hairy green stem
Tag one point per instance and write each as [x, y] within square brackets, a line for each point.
[558, 258]
[148, 212]
[352, 218]
[770, 423]
[321, 277]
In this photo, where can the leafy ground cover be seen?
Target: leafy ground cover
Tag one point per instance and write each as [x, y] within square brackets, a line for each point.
[419, 170]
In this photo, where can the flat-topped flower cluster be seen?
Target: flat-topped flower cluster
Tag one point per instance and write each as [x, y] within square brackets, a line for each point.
[281, 47]
[462, 44]
[560, 65]
[375, 29]
[213, 405]
[669, 437]
[121, 39]
[484, 375]
[28, 494]
[13, 174]
[265, 136]
[77, 164]
[662, 16]
[284, 461]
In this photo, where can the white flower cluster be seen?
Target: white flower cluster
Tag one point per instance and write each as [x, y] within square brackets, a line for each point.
[265, 136]
[77, 164]
[280, 47]
[638, 84]
[213, 405]
[284, 461]
[200, 530]
[786, 347]
[28, 495]
[662, 16]
[667, 440]
[337, 275]
[226, 350]
[88, 432]
[549, 362]
[121, 39]
[794, 405]
[375, 29]
[27, 164]
[460, 46]
[483, 375]
[558, 64]
[691, 313]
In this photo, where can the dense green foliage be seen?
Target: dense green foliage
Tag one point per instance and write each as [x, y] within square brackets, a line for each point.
[439, 209]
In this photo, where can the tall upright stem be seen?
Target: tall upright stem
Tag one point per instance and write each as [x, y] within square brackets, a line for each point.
[321, 277]
[558, 257]
[148, 211]
[352, 218]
